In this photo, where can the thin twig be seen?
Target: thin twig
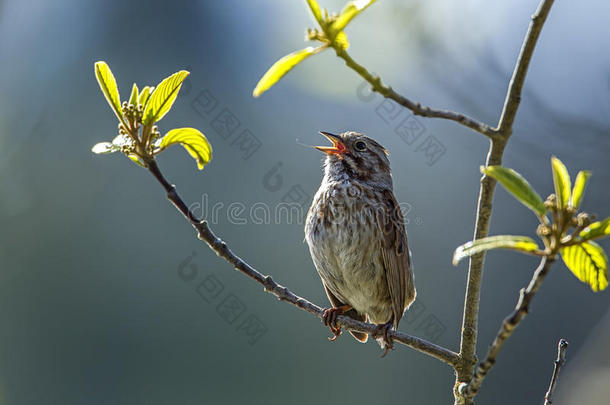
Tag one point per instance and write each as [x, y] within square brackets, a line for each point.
[468, 339]
[562, 346]
[513, 95]
[508, 326]
[417, 109]
[281, 292]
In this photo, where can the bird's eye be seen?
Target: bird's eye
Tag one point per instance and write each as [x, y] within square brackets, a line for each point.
[360, 145]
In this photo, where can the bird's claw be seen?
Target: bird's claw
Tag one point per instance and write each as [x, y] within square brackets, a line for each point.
[336, 333]
[383, 332]
[329, 318]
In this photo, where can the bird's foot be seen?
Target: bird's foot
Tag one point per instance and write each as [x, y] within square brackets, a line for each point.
[329, 318]
[382, 333]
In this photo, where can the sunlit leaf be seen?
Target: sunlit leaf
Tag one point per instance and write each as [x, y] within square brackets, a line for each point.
[520, 243]
[561, 179]
[193, 141]
[580, 184]
[517, 186]
[341, 40]
[351, 10]
[281, 67]
[316, 11]
[144, 95]
[588, 262]
[107, 83]
[104, 147]
[596, 230]
[133, 99]
[163, 97]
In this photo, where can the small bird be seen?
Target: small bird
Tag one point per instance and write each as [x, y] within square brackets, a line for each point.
[357, 238]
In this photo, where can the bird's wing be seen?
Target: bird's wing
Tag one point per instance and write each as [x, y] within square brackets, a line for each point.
[396, 255]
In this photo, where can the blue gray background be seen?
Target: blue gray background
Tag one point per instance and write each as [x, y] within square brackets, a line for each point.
[94, 304]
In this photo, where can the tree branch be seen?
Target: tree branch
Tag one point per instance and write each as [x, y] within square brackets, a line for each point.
[562, 347]
[417, 109]
[281, 292]
[467, 385]
[513, 95]
[468, 339]
[507, 328]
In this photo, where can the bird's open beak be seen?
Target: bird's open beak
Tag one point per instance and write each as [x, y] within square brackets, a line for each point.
[338, 147]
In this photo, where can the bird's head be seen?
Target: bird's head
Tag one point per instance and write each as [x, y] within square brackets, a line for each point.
[357, 156]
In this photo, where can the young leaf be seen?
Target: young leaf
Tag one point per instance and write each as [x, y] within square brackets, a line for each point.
[596, 230]
[104, 147]
[133, 99]
[579, 188]
[162, 99]
[281, 67]
[517, 186]
[561, 179]
[351, 10]
[316, 11]
[107, 83]
[193, 141]
[144, 95]
[519, 243]
[588, 262]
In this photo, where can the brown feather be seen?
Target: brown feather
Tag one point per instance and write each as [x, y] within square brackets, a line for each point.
[396, 256]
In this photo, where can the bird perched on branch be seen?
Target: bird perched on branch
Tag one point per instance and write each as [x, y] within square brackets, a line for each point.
[357, 239]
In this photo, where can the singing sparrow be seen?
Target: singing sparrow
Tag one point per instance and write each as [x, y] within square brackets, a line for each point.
[357, 239]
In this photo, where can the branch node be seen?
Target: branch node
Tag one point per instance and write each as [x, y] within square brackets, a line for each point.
[268, 283]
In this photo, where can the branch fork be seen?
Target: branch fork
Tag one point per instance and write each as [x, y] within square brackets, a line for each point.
[468, 381]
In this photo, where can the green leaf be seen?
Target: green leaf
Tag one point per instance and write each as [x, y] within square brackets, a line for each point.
[194, 142]
[519, 243]
[107, 83]
[133, 99]
[351, 10]
[316, 11]
[579, 188]
[104, 148]
[162, 99]
[561, 179]
[588, 262]
[144, 95]
[281, 67]
[596, 230]
[517, 186]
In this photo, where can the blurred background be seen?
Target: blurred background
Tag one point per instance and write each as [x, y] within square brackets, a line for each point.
[107, 296]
